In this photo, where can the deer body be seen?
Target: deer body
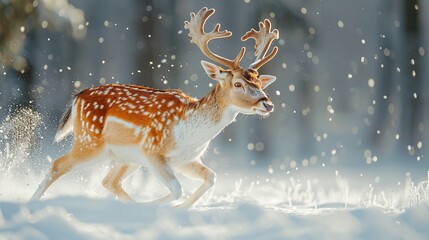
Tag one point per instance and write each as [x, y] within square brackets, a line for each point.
[162, 129]
[151, 120]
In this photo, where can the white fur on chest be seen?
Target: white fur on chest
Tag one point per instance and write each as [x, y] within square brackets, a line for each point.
[192, 136]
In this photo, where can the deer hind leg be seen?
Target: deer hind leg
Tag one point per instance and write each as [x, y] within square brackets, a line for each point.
[199, 171]
[164, 172]
[78, 155]
[113, 180]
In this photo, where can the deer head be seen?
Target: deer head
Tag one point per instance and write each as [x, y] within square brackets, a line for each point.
[243, 88]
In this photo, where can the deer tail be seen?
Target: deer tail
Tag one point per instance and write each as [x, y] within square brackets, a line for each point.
[65, 126]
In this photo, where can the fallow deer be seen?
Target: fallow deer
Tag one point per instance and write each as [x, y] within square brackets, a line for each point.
[164, 129]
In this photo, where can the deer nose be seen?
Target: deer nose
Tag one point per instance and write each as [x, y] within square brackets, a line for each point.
[268, 106]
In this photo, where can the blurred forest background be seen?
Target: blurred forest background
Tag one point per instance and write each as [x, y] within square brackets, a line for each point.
[352, 86]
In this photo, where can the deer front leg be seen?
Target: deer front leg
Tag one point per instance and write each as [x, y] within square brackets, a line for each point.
[164, 172]
[199, 171]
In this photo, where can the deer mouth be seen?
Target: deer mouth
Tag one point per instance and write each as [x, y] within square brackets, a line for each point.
[261, 112]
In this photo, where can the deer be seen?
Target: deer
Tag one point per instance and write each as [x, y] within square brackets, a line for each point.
[164, 130]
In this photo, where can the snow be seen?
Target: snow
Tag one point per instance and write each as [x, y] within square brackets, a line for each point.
[86, 218]
[244, 204]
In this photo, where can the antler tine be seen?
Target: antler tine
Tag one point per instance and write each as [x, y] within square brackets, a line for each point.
[258, 64]
[263, 39]
[201, 38]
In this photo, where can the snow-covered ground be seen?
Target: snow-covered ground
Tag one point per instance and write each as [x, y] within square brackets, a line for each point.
[86, 218]
[319, 203]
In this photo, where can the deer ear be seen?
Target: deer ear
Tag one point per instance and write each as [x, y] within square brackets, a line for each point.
[214, 71]
[267, 80]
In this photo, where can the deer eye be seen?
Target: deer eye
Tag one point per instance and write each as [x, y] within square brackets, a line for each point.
[238, 85]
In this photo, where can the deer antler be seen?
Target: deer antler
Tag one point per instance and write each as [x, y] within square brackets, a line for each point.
[201, 38]
[263, 38]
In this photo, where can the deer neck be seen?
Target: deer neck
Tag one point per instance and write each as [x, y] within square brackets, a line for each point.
[215, 107]
[202, 121]
[205, 119]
